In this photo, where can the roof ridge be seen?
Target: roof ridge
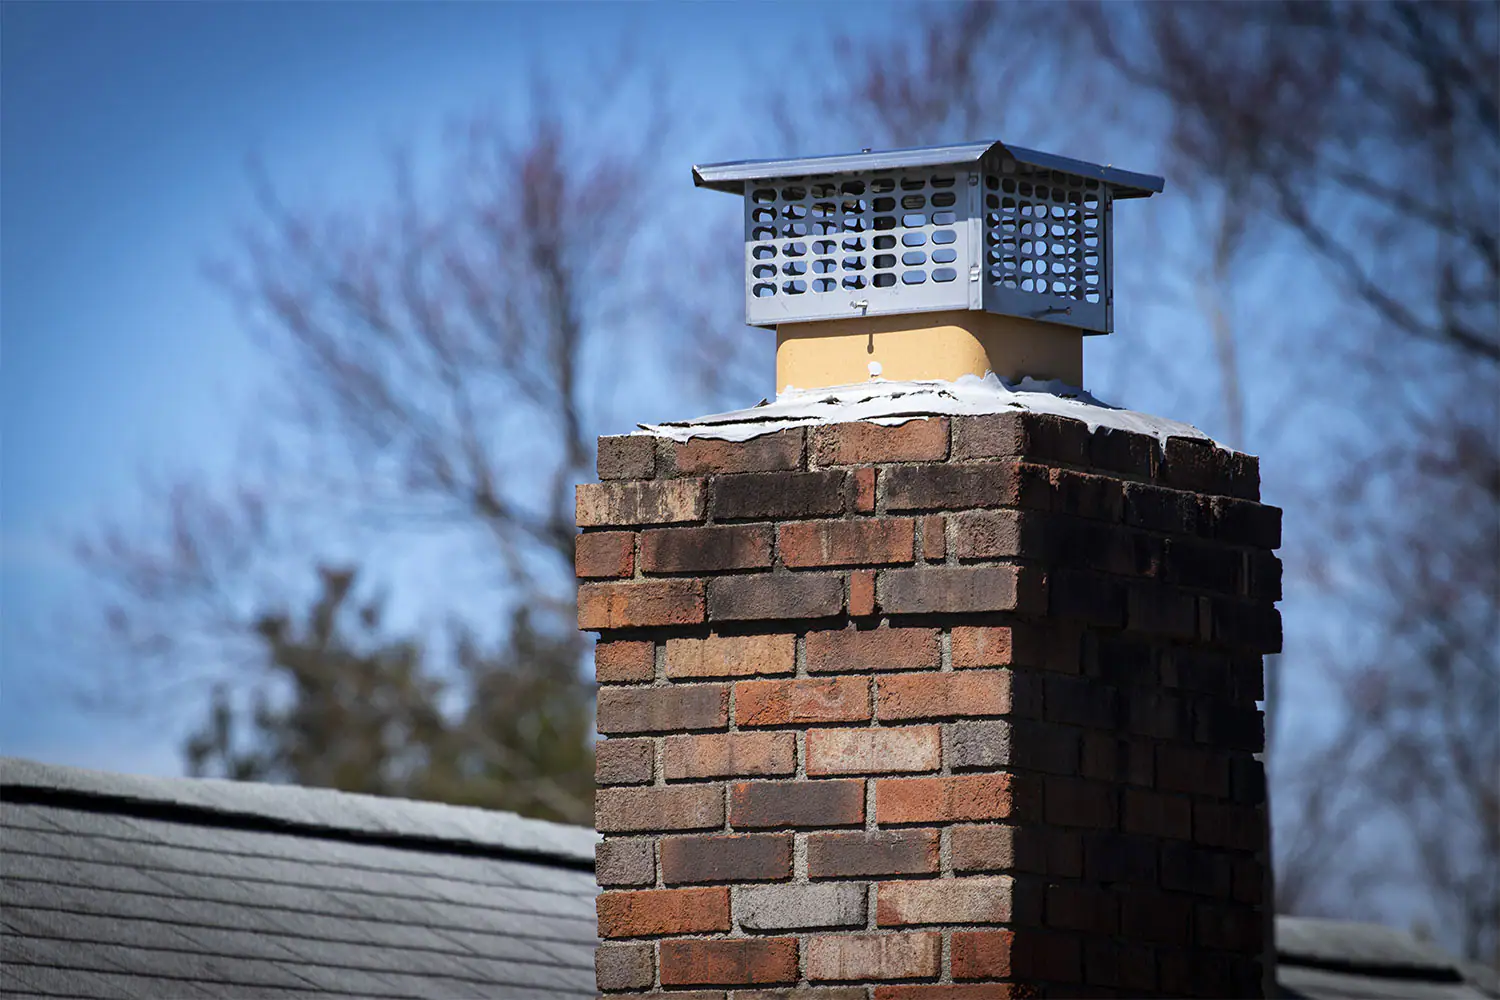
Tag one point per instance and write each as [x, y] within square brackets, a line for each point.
[321, 812]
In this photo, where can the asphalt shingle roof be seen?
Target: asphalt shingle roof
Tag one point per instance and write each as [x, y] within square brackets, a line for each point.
[115, 886]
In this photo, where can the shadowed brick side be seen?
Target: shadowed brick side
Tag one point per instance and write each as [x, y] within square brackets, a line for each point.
[960, 589]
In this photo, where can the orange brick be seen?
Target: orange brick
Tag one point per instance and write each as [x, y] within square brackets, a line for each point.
[653, 912]
[783, 703]
[862, 650]
[624, 662]
[638, 605]
[874, 751]
[604, 554]
[982, 954]
[865, 542]
[844, 957]
[942, 800]
[729, 962]
[924, 440]
[944, 901]
[981, 647]
[934, 538]
[722, 755]
[862, 593]
[937, 696]
[864, 490]
[766, 453]
[731, 656]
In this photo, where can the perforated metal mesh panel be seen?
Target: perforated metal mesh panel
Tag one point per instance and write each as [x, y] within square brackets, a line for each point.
[836, 246]
[998, 235]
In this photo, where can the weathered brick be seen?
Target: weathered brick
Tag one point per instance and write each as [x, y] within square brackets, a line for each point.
[958, 589]
[662, 710]
[943, 800]
[765, 804]
[1038, 746]
[923, 440]
[861, 593]
[934, 538]
[623, 966]
[602, 554]
[1043, 436]
[868, 542]
[800, 907]
[623, 762]
[868, 852]
[946, 695]
[862, 650]
[978, 900]
[706, 550]
[728, 962]
[654, 912]
[1123, 451]
[639, 605]
[731, 656]
[1157, 815]
[863, 481]
[1195, 464]
[1075, 802]
[775, 452]
[873, 751]
[982, 954]
[996, 847]
[683, 807]
[957, 487]
[661, 502]
[1000, 534]
[1188, 769]
[624, 662]
[627, 456]
[620, 862]
[1027, 954]
[1158, 509]
[844, 957]
[790, 702]
[1099, 498]
[777, 495]
[723, 755]
[751, 857]
[780, 595]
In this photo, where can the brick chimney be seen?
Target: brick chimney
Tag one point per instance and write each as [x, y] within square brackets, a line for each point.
[928, 691]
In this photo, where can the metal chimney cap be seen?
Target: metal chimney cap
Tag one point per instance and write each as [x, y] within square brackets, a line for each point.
[730, 177]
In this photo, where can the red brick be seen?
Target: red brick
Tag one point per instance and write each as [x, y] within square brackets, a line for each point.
[934, 538]
[627, 456]
[864, 650]
[1157, 815]
[1054, 647]
[998, 954]
[864, 490]
[762, 804]
[639, 605]
[683, 807]
[958, 487]
[943, 695]
[779, 595]
[706, 550]
[957, 589]
[995, 847]
[750, 857]
[1075, 802]
[774, 452]
[777, 495]
[623, 762]
[862, 593]
[874, 751]
[866, 957]
[654, 912]
[1043, 436]
[942, 800]
[723, 755]
[600, 554]
[981, 954]
[865, 542]
[662, 502]
[982, 900]
[731, 656]
[884, 852]
[790, 702]
[624, 662]
[1001, 534]
[729, 962]
[924, 440]
[664, 709]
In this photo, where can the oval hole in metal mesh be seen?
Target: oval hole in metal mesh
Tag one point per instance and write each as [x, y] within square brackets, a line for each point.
[913, 277]
[944, 274]
[947, 256]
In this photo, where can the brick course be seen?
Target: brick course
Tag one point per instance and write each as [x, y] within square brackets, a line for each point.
[959, 709]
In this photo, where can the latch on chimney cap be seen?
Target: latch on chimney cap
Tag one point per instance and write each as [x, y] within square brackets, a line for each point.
[981, 226]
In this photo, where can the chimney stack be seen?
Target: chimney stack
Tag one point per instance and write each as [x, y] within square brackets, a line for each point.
[928, 690]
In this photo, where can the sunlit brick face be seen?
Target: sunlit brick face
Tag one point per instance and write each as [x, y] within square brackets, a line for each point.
[959, 708]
